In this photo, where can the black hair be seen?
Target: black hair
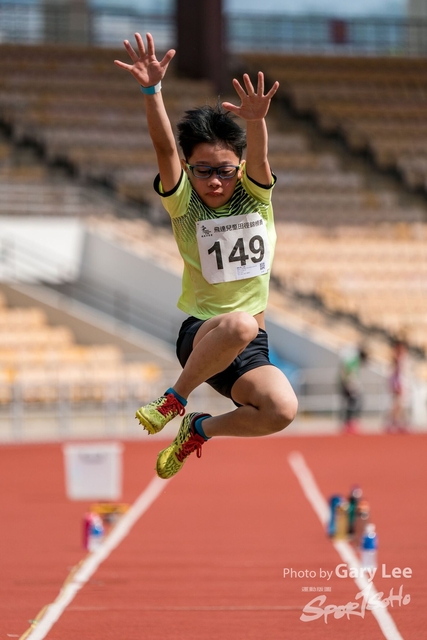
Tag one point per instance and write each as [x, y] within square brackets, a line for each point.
[209, 124]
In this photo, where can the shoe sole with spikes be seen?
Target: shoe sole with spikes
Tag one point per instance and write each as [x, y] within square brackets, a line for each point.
[155, 415]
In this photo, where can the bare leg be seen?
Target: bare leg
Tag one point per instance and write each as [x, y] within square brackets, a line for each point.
[216, 344]
[269, 405]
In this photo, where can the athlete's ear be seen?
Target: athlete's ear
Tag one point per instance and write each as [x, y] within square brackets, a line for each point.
[240, 171]
[184, 164]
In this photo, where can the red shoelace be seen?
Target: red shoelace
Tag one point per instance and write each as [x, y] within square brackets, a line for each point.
[194, 443]
[171, 404]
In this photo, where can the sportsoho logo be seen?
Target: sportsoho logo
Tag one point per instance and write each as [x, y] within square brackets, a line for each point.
[367, 599]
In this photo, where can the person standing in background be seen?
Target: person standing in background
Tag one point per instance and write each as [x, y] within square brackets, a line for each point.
[350, 387]
[399, 387]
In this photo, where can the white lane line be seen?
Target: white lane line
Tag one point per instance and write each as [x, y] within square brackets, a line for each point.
[88, 567]
[321, 508]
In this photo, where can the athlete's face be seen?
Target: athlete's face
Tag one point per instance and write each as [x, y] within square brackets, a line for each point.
[214, 191]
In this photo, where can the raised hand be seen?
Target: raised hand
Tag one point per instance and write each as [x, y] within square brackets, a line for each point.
[146, 69]
[254, 106]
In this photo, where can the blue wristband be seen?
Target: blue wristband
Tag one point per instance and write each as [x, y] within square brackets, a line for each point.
[149, 91]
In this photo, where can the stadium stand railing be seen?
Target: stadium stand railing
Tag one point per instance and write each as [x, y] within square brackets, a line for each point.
[105, 25]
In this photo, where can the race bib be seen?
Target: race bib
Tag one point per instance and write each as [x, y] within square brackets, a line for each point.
[233, 248]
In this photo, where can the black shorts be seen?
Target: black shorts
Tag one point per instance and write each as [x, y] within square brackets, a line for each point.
[253, 356]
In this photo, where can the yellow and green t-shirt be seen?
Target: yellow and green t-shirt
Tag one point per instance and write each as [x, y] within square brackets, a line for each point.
[227, 251]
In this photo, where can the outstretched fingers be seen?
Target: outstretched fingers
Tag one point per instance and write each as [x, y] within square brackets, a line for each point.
[164, 62]
[145, 67]
[250, 91]
[130, 51]
[239, 89]
[272, 91]
[140, 43]
[248, 84]
[123, 65]
[260, 86]
[151, 51]
[254, 104]
[242, 93]
[133, 55]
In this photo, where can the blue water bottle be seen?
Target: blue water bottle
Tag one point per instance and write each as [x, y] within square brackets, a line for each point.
[96, 532]
[369, 547]
[334, 503]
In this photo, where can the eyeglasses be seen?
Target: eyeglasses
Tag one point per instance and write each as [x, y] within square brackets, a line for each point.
[203, 171]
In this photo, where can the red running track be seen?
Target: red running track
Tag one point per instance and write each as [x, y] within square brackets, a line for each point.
[206, 560]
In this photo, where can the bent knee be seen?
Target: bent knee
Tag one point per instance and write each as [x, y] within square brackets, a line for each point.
[240, 327]
[282, 415]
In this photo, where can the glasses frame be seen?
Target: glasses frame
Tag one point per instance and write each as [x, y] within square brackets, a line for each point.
[213, 169]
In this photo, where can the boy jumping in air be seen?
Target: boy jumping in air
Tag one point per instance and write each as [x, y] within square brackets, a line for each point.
[222, 219]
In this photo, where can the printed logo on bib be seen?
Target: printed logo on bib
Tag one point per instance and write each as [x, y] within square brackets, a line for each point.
[233, 248]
